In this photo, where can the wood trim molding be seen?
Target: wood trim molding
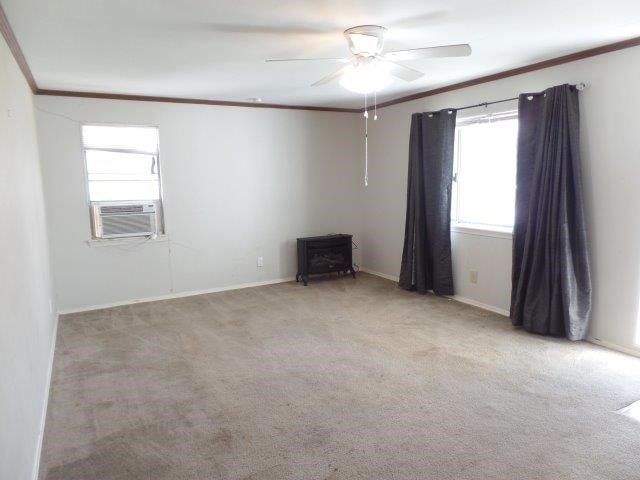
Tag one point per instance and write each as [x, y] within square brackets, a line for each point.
[14, 47]
[224, 103]
[572, 57]
[12, 42]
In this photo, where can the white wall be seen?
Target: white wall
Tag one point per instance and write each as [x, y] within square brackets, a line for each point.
[611, 159]
[27, 324]
[238, 183]
[260, 178]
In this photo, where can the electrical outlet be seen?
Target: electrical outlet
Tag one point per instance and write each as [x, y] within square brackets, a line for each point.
[473, 276]
[260, 262]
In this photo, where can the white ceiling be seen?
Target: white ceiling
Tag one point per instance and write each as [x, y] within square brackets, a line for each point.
[183, 48]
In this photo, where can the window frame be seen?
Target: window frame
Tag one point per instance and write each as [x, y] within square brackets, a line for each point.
[160, 220]
[476, 228]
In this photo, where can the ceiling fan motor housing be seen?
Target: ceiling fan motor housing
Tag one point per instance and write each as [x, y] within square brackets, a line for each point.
[365, 40]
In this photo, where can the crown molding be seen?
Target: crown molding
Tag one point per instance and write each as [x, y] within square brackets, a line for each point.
[12, 42]
[195, 101]
[14, 47]
[572, 57]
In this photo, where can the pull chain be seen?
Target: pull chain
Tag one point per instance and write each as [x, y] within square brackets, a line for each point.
[375, 105]
[366, 133]
[366, 143]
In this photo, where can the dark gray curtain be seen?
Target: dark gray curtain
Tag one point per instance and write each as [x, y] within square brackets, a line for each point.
[426, 258]
[551, 281]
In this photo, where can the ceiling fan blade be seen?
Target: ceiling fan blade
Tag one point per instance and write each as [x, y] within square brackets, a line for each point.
[402, 72]
[329, 78]
[341, 60]
[461, 50]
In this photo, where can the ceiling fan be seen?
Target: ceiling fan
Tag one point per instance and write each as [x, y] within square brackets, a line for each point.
[369, 69]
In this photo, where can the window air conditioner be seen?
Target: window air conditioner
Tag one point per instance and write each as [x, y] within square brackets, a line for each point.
[115, 220]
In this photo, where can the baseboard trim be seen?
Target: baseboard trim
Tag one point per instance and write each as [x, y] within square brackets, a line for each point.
[614, 346]
[393, 278]
[457, 298]
[483, 306]
[169, 296]
[502, 311]
[45, 407]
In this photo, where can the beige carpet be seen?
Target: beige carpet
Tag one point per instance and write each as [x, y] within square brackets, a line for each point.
[342, 379]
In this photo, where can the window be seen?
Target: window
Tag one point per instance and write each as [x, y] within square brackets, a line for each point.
[484, 184]
[122, 164]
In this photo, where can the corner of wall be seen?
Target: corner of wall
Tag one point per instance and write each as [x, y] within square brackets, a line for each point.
[45, 407]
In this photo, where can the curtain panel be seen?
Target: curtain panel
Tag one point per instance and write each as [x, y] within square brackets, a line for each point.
[551, 279]
[426, 257]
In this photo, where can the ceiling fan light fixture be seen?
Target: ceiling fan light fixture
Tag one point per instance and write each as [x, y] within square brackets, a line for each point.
[366, 78]
[365, 44]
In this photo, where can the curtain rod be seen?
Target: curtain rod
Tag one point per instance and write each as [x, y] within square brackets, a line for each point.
[579, 86]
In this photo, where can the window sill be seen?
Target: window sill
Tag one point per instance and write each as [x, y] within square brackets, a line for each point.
[482, 230]
[126, 241]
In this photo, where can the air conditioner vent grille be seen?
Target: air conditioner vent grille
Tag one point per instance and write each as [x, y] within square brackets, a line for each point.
[124, 220]
[127, 225]
[120, 209]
